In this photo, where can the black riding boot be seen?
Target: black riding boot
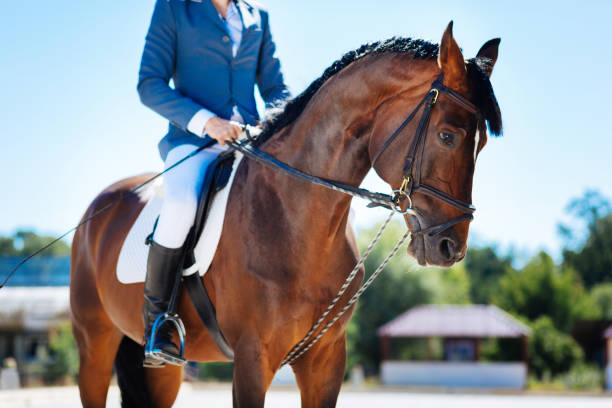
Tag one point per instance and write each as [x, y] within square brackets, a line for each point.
[162, 271]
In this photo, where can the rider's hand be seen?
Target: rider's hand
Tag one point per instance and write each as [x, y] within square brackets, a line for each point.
[222, 130]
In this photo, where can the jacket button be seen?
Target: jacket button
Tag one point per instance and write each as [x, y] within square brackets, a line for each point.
[225, 39]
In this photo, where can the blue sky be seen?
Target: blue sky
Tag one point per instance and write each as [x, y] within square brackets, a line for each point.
[72, 121]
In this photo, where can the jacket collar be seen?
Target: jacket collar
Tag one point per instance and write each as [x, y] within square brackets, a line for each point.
[250, 18]
[247, 12]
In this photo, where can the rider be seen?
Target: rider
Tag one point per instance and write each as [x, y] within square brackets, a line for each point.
[214, 51]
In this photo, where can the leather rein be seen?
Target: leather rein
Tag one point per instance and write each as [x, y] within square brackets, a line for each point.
[411, 181]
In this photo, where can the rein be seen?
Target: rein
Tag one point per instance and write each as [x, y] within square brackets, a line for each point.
[377, 199]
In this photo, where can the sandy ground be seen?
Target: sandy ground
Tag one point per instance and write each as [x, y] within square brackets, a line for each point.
[220, 396]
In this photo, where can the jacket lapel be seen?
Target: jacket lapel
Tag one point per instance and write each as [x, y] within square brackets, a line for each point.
[250, 23]
[249, 20]
[213, 15]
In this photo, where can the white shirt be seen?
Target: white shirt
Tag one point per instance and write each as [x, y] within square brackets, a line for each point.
[233, 25]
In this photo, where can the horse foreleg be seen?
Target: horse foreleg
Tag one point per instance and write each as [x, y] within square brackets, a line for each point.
[320, 372]
[252, 376]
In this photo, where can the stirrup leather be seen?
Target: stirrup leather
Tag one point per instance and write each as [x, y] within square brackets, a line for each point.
[153, 353]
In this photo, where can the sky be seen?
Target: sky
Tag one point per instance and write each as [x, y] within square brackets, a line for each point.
[72, 122]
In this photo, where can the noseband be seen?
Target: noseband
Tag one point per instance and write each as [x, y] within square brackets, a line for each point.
[411, 181]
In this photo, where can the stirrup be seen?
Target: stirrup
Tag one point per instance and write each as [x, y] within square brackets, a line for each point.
[155, 354]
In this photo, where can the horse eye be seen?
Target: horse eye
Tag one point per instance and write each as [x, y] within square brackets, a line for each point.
[447, 138]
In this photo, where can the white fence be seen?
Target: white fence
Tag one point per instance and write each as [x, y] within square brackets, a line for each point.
[454, 374]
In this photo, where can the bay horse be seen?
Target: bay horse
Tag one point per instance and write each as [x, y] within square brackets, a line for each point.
[287, 245]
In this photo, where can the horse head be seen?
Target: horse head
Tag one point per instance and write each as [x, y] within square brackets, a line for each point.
[430, 159]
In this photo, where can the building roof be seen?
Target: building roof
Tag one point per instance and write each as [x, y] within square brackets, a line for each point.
[608, 333]
[33, 308]
[454, 321]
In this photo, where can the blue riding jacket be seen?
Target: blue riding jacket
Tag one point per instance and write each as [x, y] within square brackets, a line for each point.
[187, 42]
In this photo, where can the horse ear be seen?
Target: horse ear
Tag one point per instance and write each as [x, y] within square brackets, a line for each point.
[488, 53]
[450, 59]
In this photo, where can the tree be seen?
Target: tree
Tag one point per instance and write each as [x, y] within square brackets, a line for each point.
[551, 351]
[589, 249]
[31, 242]
[447, 285]
[601, 296]
[543, 289]
[7, 247]
[24, 243]
[485, 268]
[64, 357]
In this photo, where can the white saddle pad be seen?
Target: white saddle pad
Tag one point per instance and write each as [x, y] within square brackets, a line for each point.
[132, 263]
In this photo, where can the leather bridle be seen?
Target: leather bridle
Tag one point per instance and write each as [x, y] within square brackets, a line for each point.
[411, 181]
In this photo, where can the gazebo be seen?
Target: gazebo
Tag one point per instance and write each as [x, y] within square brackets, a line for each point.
[608, 337]
[462, 327]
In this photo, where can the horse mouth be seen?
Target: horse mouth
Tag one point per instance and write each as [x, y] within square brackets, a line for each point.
[416, 249]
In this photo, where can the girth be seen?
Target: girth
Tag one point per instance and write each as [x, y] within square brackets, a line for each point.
[411, 181]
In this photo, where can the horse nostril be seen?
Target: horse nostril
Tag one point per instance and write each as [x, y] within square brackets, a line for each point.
[447, 248]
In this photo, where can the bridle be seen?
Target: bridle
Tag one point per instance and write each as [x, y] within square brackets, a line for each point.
[411, 181]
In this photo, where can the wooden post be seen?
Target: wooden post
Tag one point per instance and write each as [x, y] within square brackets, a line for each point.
[525, 341]
[429, 349]
[385, 348]
[477, 349]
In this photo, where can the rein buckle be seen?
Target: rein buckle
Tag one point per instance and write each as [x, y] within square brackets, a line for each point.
[402, 193]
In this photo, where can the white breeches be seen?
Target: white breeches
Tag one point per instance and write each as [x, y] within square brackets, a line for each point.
[182, 187]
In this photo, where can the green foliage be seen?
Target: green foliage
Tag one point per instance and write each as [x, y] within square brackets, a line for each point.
[7, 247]
[418, 349]
[551, 351]
[485, 268]
[583, 377]
[23, 243]
[594, 260]
[601, 296]
[64, 358]
[543, 289]
[501, 349]
[216, 371]
[590, 252]
[447, 286]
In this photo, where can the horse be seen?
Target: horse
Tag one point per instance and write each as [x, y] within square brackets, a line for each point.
[287, 245]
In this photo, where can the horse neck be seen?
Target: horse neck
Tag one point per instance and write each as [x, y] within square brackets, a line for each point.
[330, 139]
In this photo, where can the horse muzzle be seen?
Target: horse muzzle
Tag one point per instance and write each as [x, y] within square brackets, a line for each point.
[434, 247]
